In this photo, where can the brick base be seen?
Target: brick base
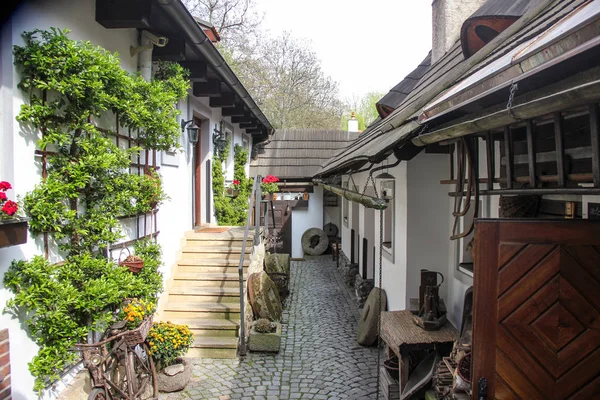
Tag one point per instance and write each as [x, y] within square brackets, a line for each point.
[4, 365]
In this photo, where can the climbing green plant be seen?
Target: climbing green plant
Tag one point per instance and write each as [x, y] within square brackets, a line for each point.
[231, 211]
[71, 85]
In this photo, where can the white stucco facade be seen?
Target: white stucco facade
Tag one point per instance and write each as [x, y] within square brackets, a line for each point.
[21, 168]
[306, 218]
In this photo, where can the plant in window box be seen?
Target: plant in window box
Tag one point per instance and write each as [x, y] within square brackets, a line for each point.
[13, 229]
[234, 189]
[168, 343]
[137, 315]
[269, 184]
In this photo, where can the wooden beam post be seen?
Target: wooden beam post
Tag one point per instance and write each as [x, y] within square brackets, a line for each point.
[198, 70]
[594, 132]
[491, 159]
[508, 153]
[247, 117]
[560, 149]
[238, 110]
[225, 100]
[531, 153]
[210, 88]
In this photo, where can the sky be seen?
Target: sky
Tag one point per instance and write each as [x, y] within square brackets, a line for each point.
[364, 45]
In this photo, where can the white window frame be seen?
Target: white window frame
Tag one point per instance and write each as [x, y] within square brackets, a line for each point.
[463, 258]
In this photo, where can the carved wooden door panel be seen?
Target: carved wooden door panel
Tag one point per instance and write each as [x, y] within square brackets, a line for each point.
[536, 326]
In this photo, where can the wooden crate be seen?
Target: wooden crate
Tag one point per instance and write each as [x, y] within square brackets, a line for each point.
[390, 388]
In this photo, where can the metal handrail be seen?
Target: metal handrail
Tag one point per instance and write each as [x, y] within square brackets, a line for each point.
[254, 195]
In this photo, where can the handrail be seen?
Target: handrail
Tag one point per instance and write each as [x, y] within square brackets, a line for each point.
[256, 193]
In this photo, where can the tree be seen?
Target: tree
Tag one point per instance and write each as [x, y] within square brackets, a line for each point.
[285, 78]
[363, 108]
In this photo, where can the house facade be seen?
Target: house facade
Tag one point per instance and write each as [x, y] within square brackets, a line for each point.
[217, 104]
[486, 159]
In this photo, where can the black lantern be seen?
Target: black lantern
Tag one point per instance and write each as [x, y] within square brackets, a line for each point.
[219, 138]
[192, 130]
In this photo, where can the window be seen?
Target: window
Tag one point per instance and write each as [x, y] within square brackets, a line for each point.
[388, 191]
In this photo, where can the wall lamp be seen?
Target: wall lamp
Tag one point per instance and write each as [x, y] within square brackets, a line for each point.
[192, 130]
[219, 138]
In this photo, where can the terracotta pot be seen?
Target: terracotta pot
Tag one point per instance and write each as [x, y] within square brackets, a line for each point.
[174, 378]
[13, 232]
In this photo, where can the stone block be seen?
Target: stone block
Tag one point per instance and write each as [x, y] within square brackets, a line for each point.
[267, 342]
[362, 288]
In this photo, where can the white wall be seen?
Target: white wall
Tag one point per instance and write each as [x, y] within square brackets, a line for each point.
[306, 218]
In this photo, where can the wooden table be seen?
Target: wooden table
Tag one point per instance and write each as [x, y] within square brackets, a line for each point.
[402, 336]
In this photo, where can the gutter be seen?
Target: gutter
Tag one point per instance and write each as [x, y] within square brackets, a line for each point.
[203, 46]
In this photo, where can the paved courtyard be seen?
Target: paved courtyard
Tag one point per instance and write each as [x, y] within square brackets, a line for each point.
[319, 357]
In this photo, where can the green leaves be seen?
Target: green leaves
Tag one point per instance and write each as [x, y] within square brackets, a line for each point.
[88, 186]
[231, 211]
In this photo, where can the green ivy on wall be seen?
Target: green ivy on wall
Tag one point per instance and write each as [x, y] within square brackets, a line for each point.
[231, 211]
[88, 186]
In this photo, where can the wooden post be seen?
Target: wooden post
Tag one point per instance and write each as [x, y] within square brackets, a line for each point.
[594, 128]
[352, 233]
[531, 153]
[508, 153]
[365, 257]
[491, 160]
[452, 150]
[560, 149]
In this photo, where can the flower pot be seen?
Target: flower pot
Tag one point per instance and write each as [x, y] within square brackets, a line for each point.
[305, 195]
[232, 192]
[268, 342]
[175, 377]
[13, 232]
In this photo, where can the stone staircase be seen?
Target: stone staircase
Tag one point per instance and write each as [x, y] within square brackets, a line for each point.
[203, 291]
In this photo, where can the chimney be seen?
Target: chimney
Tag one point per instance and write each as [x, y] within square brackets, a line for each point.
[448, 17]
[353, 124]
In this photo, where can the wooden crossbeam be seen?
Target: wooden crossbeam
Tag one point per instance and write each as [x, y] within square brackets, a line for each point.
[559, 140]
[247, 117]
[225, 100]
[173, 51]
[210, 88]
[198, 70]
[246, 125]
[238, 110]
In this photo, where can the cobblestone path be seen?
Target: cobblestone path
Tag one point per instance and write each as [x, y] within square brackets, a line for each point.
[319, 357]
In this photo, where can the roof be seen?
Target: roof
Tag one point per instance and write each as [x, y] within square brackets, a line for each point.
[298, 153]
[397, 129]
[398, 93]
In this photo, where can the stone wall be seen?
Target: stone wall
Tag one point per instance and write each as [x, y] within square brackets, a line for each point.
[362, 288]
[347, 270]
[256, 265]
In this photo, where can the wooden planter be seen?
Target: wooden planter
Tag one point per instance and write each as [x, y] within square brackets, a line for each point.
[13, 232]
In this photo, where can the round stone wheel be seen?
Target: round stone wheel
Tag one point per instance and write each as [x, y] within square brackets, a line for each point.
[264, 296]
[277, 263]
[314, 241]
[331, 229]
[367, 325]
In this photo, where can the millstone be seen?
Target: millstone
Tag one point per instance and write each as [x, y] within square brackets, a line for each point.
[278, 263]
[264, 296]
[314, 241]
[367, 325]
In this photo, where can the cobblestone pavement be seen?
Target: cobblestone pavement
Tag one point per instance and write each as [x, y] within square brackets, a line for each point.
[319, 357]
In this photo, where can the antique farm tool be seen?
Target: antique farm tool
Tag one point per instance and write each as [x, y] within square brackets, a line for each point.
[432, 312]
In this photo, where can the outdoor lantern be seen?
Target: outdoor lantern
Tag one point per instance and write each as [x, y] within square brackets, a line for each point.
[219, 139]
[387, 189]
[192, 130]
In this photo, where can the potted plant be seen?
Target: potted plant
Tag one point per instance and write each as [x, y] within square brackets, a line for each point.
[168, 343]
[269, 184]
[13, 229]
[234, 189]
[265, 336]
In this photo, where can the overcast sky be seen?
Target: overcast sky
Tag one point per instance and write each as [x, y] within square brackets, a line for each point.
[364, 45]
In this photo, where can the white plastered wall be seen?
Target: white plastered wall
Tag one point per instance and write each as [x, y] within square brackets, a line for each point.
[306, 218]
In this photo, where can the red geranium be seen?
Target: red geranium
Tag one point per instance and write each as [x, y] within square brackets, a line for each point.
[270, 179]
[4, 186]
[10, 207]
[236, 182]
[2, 196]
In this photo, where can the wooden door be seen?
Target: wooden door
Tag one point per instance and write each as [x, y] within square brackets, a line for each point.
[283, 225]
[536, 327]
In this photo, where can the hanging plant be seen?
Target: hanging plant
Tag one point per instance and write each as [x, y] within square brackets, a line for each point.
[71, 84]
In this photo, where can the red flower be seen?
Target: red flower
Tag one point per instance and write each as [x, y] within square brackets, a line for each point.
[236, 182]
[2, 196]
[5, 186]
[270, 179]
[10, 207]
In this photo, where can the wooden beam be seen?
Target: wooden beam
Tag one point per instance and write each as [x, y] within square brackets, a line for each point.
[210, 88]
[238, 110]
[579, 178]
[595, 140]
[560, 149]
[540, 191]
[531, 152]
[198, 70]
[225, 100]
[508, 152]
[252, 124]
[247, 117]
[173, 51]
[131, 14]
[260, 129]
[491, 159]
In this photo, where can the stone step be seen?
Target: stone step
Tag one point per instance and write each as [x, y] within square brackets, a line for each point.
[202, 310]
[210, 327]
[211, 269]
[232, 249]
[210, 257]
[176, 283]
[212, 353]
[204, 294]
[195, 259]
